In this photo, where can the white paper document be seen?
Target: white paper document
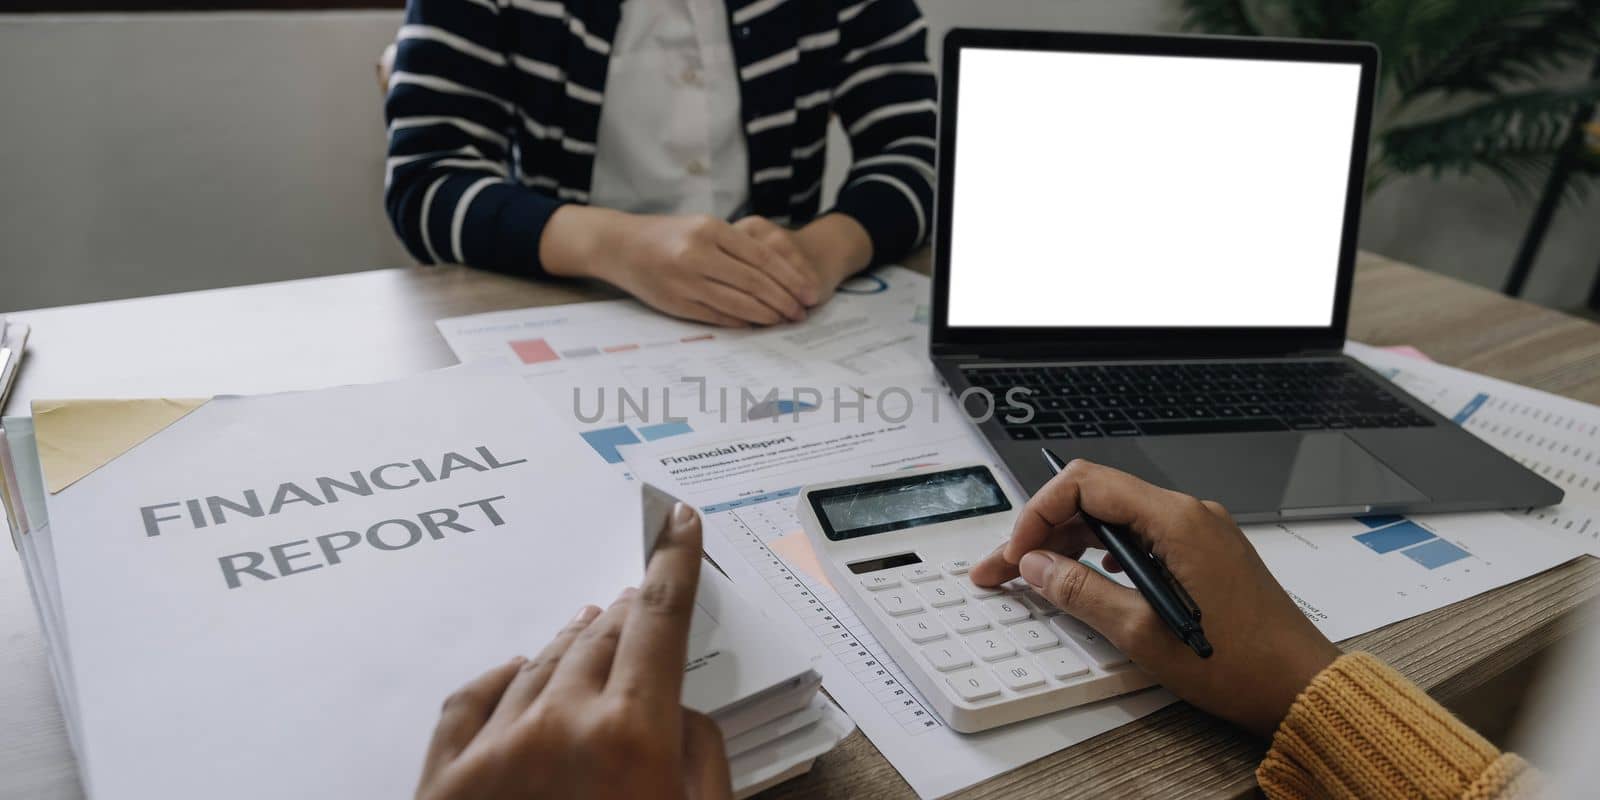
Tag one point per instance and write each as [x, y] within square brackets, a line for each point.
[245, 593]
[1555, 437]
[1351, 576]
[875, 323]
[369, 700]
[620, 373]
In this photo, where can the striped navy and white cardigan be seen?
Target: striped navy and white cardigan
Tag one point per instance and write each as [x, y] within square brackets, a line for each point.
[494, 106]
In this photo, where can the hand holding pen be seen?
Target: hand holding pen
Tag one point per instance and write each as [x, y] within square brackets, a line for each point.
[1260, 637]
[1152, 578]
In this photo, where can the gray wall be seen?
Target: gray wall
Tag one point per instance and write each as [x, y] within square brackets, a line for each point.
[158, 153]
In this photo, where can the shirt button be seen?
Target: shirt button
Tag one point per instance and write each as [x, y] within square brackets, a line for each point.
[696, 167]
[690, 76]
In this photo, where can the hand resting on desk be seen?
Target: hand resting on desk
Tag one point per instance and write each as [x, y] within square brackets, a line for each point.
[596, 714]
[750, 272]
[1266, 650]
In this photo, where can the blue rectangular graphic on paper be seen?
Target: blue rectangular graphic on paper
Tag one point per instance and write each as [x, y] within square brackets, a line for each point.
[1378, 522]
[1471, 407]
[663, 430]
[1436, 554]
[605, 441]
[1394, 537]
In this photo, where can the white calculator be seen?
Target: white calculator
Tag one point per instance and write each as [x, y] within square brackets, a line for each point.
[898, 547]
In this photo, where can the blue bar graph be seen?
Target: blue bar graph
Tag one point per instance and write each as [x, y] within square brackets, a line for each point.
[605, 441]
[663, 430]
[1394, 537]
[1435, 554]
[1380, 521]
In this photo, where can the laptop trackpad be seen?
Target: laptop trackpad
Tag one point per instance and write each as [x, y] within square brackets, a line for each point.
[1260, 472]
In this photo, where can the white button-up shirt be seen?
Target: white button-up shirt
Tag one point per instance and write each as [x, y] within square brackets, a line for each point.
[670, 139]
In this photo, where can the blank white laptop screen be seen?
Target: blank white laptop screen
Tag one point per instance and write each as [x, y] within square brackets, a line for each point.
[1099, 190]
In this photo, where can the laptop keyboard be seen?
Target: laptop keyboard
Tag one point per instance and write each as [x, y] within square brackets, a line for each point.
[1092, 401]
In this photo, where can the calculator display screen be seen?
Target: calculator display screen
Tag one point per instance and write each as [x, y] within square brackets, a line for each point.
[847, 512]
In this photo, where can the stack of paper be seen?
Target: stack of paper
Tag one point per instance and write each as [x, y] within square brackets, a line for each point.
[285, 587]
[756, 678]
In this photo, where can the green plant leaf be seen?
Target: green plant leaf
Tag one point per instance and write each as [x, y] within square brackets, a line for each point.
[1325, 19]
[1517, 49]
[1231, 17]
[1515, 136]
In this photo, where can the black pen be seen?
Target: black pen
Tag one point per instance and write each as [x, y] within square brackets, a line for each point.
[1160, 589]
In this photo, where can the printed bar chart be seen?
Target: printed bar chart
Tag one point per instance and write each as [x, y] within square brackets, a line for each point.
[605, 441]
[1436, 553]
[533, 351]
[1395, 537]
[663, 430]
[1390, 534]
[539, 351]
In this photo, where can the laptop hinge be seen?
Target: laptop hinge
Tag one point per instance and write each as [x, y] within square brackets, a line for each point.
[1308, 353]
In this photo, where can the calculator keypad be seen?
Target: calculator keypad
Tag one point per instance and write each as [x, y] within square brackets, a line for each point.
[990, 645]
[947, 656]
[879, 581]
[1063, 664]
[957, 567]
[941, 593]
[987, 642]
[922, 628]
[1005, 610]
[1034, 636]
[899, 602]
[977, 592]
[1018, 675]
[965, 619]
[973, 685]
[1089, 640]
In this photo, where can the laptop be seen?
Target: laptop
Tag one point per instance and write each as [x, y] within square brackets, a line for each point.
[1155, 237]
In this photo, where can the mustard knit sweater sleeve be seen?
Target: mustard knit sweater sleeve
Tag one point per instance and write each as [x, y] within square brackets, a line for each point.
[1360, 730]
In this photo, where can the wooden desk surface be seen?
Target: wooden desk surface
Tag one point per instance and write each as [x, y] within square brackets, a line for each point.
[376, 325]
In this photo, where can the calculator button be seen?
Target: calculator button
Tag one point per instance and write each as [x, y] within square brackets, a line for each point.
[1034, 636]
[922, 629]
[880, 580]
[947, 656]
[977, 592]
[1018, 675]
[959, 566]
[965, 620]
[1005, 610]
[1100, 651]
[1038, 605]
[899, 602]
[973, 685]
[940, 593]
[917, 573]
[991, 645]
[1062, 664]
